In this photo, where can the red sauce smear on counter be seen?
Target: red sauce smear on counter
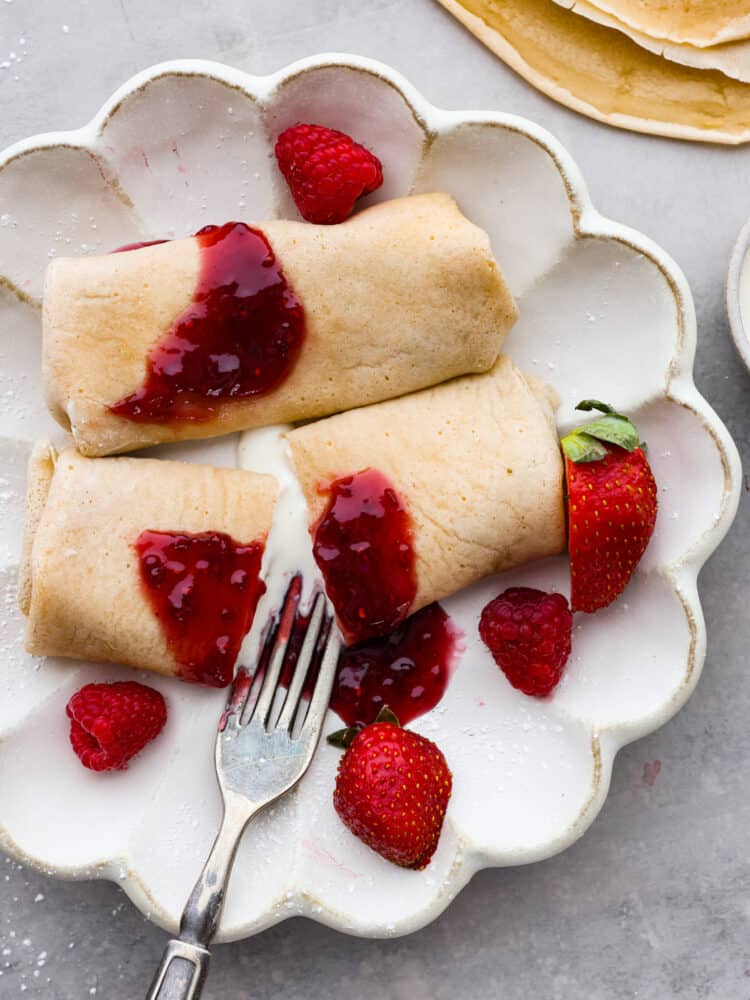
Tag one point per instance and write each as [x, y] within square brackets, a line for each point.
[363, 546]
[239, 338]
[408, 671]
[204, 589]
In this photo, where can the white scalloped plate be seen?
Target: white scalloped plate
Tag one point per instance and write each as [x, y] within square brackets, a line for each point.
[604, 312]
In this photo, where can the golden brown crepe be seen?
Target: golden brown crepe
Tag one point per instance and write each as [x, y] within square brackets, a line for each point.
[403, 295]
[476, 461]
[732, 58]
[694, 22]
[602, 73]
[80, 585]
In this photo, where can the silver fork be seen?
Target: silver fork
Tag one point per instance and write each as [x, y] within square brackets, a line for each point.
[262, 750]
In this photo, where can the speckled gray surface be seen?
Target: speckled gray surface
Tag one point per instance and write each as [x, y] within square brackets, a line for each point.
[653, 902]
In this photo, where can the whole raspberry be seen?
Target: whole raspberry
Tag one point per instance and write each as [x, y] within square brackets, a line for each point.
[326, 171]
[528, 633]
[110, 723]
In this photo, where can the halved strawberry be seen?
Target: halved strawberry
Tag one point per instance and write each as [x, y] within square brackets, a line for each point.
[611, 506]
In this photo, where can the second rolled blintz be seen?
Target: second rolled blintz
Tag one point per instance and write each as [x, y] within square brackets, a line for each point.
[243, 326]
[151, 563]
[414, 498]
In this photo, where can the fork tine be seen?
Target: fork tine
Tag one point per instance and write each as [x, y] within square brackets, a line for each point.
[236, 699]
[322, 691]
[287, 619]
[244, 682]
[306, 655]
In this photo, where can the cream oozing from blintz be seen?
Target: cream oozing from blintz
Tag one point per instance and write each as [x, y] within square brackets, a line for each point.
[403, 295]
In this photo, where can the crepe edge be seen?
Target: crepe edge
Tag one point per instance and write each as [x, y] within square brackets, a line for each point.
[40, 472]
[735, 29]
[498, 44]
[722, 58]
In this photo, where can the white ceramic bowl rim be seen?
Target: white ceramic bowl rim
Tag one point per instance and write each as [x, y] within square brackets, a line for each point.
[740, 335]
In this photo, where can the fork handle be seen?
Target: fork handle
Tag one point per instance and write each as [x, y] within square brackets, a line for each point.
[184, 964]
[182, 972]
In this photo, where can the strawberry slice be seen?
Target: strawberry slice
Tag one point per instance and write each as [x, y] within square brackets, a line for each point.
[611, 506]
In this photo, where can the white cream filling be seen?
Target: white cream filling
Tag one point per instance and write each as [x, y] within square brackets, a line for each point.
[288, 546]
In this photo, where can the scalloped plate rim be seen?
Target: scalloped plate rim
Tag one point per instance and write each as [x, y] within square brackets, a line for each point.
[679, 388]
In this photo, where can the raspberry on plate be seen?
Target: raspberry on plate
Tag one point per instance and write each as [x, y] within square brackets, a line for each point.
[110, 723]
[326, 171]
[528, 633]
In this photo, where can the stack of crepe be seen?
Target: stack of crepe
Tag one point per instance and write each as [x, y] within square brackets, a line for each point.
[675, 69]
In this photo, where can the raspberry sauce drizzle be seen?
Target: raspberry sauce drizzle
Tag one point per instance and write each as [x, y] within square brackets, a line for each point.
[408, 670]
[363, 546]
[204, 589]
[239, 338]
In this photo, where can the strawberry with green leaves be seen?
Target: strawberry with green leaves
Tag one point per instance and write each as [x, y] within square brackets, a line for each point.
[611, 506]
[392, 790]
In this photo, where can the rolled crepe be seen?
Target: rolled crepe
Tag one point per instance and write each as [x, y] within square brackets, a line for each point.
[476, 463]
[404, 295]
[81, 585]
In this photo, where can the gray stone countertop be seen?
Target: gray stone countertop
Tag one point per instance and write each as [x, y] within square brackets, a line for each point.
[654, 901]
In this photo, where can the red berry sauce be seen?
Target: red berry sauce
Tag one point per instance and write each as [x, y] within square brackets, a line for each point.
[363, 546]
[204, 589]
[408, 670]
[239, 338]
